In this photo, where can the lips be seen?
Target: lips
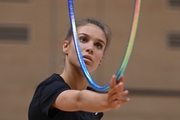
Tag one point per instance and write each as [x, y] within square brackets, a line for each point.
[87, 57]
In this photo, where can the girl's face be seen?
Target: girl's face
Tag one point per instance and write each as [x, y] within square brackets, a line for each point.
[92, 43]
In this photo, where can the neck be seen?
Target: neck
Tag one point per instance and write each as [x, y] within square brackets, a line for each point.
[74, 78]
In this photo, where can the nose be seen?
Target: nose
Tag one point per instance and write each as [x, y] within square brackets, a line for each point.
[90, 51]
[89, 48]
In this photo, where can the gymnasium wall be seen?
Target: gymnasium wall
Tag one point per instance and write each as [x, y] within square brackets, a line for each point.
[31, 36]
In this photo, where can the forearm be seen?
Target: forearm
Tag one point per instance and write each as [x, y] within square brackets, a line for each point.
[92, 101]
[86, 100]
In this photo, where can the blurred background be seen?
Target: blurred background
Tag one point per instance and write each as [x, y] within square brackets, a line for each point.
[31, 35]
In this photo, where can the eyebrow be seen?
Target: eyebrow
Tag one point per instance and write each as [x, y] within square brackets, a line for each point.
[89, 35]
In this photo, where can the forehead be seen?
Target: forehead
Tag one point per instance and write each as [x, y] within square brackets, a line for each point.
[93, 31]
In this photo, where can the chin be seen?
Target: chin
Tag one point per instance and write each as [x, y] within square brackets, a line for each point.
[91, 70]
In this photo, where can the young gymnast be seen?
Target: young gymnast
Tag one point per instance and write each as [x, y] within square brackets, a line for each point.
[67, 96]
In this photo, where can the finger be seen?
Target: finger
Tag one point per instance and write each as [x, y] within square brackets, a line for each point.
[121, 84]
[121, 79]
[113, 81]
[116, 89]
[118, 93]
[120, 87]
[113, 98]
[126, 92]
[125, 100]
[112, 85]
[122, 101]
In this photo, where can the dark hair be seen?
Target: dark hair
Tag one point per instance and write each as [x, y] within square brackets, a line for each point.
[105, 28]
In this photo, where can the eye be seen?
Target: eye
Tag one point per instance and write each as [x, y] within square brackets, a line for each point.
[99, 45]
[83, 39]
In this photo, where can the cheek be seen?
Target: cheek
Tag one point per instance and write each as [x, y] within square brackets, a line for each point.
[71, 51]
[72, 48]
[99, 56]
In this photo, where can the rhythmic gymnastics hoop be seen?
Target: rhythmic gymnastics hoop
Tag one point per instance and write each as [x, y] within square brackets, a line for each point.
[127, 52]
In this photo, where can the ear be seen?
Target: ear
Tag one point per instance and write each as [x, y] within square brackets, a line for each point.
[66, 47]
[100, 61]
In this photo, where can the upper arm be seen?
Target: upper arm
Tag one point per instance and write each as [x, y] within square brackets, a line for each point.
[67, 100]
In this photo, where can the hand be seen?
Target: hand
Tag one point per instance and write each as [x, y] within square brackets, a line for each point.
[116, 93]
